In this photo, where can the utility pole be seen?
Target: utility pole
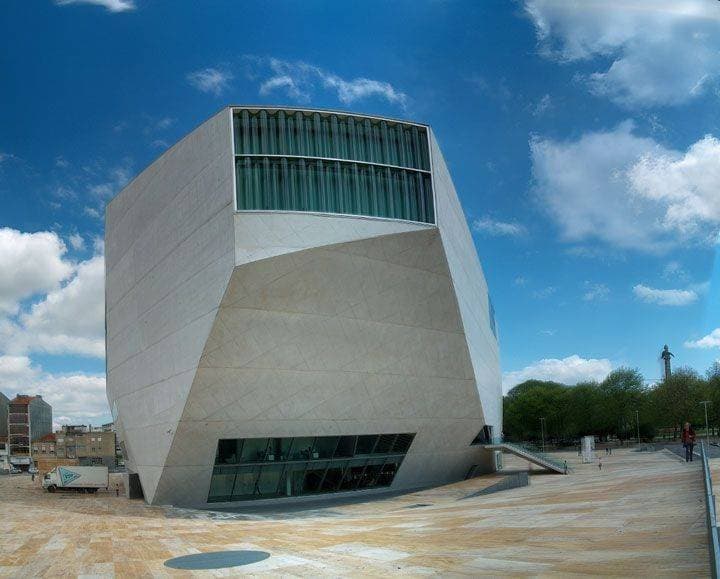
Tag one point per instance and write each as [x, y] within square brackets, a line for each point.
[707, 430]
[542, 432]
[637, 421]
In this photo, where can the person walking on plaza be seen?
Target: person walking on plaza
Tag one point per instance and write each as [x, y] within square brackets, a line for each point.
[688, 440]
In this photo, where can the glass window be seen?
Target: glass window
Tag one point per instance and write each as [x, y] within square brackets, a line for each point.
[346, 446]
[316, 134]
[366, 443]
[384, 444]
[269, 480]
[245, 482]
[333, 476]
[221, 485]
[305, 465]
[314, 477]
[325, 446]
[254, 450]
[485, 436]
[302, 448]
[290, 184]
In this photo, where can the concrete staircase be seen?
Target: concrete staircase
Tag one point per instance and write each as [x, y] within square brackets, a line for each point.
[530, 455]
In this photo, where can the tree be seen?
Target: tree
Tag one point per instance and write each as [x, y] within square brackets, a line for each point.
[676, 399]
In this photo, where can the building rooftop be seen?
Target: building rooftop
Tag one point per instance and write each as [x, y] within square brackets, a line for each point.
[47, 438]
[23, 399]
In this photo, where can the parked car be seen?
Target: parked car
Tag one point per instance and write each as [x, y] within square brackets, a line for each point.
[33, 470]
[15, 470]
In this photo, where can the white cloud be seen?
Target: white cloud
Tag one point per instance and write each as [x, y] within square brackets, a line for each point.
[686, 185]
[570, 370]
[712, 340]
[76, 397]
[596, 292]
[92, 212]
[31, 263]
[115, 180]
[300, 80]
[661, 52]
[495, 228]
[628, 192]
[665, 297]
[542, 106]
[72, 318]
[76, 241]
[210, 80]
[673, 270]
[69, 319]
[545, 292]
[109, 5]
[520, 280]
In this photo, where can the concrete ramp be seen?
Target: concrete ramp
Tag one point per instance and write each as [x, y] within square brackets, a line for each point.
[530, 455]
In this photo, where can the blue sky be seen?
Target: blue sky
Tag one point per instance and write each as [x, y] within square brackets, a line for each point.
[582, 138]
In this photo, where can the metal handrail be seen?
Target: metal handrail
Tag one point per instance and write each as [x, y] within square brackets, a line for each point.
[714, 540]
[531, 450]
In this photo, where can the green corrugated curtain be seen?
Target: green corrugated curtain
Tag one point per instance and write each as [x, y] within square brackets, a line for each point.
[307, 134]
[290, 184]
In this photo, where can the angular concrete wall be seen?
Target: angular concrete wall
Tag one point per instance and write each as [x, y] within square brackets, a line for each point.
[168, 257]
[471, 289]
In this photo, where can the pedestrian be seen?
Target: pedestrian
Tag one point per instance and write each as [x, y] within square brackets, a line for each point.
[611, 451]
[599, 463]
[32, 477]
[117, 490]
[688, 441]
[566, 467]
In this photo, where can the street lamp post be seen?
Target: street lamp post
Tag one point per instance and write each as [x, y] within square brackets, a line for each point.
[707, 429]
[637, 421]
[542, 432]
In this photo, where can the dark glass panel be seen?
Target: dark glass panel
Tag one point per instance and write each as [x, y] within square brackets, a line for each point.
[353, 475]
[402, 443]
[333, 476]
[325, 446]
[302, 448]
[269, 480]
[246, 482]
[315, 134]
[384, 444]
[221, 486]
[371, 473]
[254, 450]
[387, 474]
[366, 444]
[314, 477]
[346, 446]
[228, 451]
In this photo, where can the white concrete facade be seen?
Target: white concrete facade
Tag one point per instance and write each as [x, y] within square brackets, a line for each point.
[245, 324]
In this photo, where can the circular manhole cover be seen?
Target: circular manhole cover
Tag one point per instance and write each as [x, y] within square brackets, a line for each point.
[216, 560]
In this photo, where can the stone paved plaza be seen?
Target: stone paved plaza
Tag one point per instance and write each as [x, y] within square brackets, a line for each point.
[643, 514]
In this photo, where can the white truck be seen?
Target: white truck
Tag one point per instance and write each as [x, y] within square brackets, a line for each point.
[83, 479]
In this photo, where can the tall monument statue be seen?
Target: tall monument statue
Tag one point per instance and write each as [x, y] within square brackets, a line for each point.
[666, 355]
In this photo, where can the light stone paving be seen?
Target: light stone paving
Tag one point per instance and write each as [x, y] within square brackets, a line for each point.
[642, 515]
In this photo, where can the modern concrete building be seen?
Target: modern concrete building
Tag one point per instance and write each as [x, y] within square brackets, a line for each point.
[29, 417]
[4, 405]
[295, 307]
